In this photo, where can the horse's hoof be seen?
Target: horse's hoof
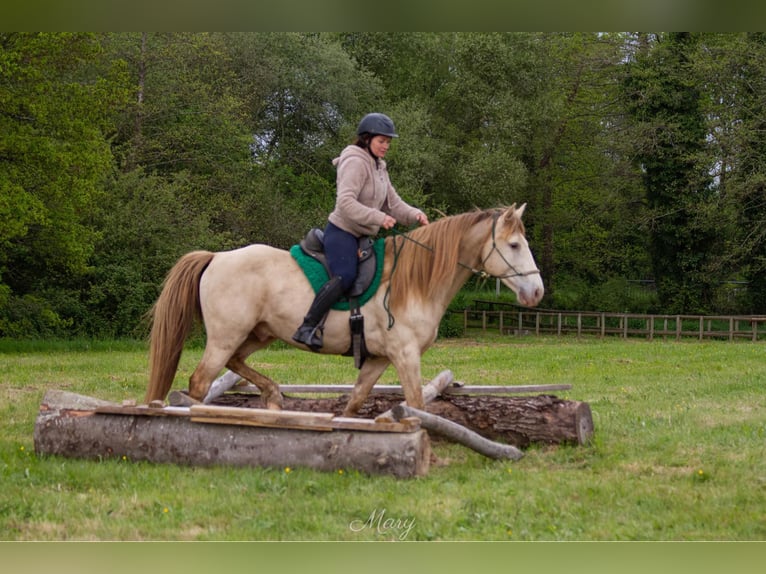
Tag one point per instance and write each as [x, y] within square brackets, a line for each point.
[273, 403]
[179, 399]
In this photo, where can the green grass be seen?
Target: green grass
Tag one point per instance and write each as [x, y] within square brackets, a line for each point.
[678, 453]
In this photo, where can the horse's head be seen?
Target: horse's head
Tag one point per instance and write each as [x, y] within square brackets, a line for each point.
[506, 255]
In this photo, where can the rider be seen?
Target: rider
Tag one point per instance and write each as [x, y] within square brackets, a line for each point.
[365, 201]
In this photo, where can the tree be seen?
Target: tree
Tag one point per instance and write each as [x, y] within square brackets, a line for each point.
[748, 182]
[664, 98]
[56, 113]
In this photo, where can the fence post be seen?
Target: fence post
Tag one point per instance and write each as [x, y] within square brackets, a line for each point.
[465, 320]
[603, 324]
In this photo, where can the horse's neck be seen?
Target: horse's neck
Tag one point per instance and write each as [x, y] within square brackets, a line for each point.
[469, 259]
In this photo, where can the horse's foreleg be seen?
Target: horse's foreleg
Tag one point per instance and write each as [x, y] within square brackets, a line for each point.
[270, 395]
[368, 376]
[409, 377]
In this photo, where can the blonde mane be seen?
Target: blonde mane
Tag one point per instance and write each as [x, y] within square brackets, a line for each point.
[424, 262]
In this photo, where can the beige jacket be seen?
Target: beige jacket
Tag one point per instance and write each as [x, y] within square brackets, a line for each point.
[365, 194]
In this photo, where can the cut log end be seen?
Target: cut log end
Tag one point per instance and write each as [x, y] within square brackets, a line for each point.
[583, 424]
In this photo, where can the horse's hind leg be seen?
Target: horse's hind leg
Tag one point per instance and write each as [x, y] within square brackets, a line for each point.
[368, 376]
[213, 360]
[270, 395]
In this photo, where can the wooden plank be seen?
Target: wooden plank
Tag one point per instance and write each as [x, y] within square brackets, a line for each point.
[495, 390]
[370, 425]
[261, 417]
[143, 410]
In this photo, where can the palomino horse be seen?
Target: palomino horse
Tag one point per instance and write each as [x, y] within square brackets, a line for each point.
[249, 297]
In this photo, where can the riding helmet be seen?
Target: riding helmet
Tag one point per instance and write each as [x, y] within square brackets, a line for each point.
[378, 125]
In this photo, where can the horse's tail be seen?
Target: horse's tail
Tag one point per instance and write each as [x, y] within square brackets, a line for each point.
[173, 316]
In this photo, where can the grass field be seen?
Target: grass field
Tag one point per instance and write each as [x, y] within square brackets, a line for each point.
[679, 453]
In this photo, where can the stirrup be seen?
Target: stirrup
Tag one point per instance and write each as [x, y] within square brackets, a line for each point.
[310, 336]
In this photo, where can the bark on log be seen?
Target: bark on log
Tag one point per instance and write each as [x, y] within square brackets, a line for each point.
[520, 421]
[458, 433]
[68, 425]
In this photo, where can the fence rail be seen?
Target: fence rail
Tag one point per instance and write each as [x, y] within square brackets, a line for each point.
[507, 319]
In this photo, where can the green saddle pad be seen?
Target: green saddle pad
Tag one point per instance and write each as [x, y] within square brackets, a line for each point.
[317, 274]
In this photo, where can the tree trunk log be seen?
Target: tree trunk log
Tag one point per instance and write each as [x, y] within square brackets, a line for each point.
[516, 420]
[68, 425]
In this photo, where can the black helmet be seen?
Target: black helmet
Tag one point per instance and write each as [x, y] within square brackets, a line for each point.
[377, 125]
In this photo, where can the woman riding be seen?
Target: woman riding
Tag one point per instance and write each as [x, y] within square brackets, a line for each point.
[365, 202]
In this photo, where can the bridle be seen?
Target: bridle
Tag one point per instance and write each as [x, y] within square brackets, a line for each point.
[481, 272]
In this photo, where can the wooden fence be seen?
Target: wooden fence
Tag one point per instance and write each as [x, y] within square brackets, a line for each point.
[506, 318]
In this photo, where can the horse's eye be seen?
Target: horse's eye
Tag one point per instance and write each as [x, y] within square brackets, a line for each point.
[514, 245]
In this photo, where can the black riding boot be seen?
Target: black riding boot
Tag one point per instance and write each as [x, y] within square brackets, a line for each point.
[310, 333]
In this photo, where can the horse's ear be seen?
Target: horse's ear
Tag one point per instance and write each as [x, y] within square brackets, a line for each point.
[514, 211]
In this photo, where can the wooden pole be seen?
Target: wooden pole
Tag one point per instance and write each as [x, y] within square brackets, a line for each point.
[430, 391]
[458, 433]
[452, 388]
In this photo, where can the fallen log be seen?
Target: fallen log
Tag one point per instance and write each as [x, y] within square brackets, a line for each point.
[77, 426]
[458, 433]
[516, 420]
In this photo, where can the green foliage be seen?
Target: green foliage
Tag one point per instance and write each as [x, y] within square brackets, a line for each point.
[56, 113]
[640, 156]
[147, 226]
[665, 99]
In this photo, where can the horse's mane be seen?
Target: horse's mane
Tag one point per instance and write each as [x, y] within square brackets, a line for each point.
[426, 259]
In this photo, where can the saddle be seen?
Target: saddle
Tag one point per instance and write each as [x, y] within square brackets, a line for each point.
[313, 246]
[365, 285]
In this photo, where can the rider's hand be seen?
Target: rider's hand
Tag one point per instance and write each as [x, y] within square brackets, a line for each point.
[388, 222]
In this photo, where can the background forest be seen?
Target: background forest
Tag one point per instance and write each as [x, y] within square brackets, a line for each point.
[642, 158]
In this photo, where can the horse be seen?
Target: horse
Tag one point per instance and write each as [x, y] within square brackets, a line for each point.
[249, 297]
